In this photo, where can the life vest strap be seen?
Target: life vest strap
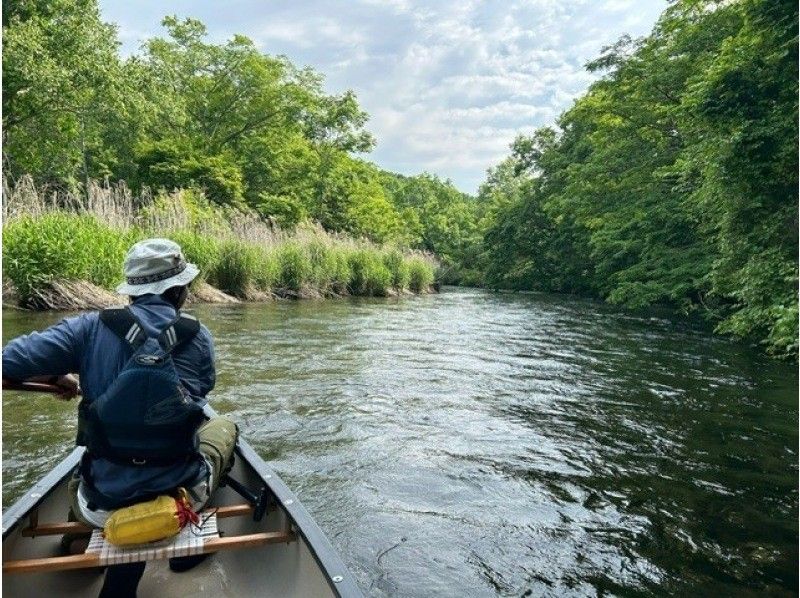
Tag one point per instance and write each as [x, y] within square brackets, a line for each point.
[144, 462]
[125, 325]
[182, 329]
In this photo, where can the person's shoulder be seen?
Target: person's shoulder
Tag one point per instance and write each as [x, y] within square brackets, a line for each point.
[82, 327]
[93, 318]
[203, 341]
[203, 333]
[83, 321]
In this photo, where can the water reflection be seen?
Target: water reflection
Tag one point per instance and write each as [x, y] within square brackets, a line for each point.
[478, 444]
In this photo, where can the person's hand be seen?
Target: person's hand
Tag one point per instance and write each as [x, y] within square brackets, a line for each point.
[68, 385]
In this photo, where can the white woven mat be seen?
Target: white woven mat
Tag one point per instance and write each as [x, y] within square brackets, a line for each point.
[189, 541]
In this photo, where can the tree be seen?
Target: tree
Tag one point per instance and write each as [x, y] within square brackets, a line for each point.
[673, 180]
[61, 82]
[259, 115]
[740, 115]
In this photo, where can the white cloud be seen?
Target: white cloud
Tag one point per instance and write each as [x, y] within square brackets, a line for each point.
[448, 84]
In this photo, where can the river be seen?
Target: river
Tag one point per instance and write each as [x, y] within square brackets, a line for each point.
[475, 444]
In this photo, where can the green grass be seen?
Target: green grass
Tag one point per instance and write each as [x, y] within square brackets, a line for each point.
[235, 272]
[369, 275]
[60, 245]
[294, 266]
[421, 274]
[399, 268]
[63, 246]
[199, 249]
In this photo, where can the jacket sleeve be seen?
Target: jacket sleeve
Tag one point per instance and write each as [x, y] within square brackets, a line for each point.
[54, 351]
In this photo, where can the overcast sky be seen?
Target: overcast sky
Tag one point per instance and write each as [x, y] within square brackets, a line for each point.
[448, 84]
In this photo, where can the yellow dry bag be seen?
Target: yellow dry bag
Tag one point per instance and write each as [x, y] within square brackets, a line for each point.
[150, 521]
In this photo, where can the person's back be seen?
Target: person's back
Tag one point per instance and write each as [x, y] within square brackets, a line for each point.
[157, 278]
[103, 356]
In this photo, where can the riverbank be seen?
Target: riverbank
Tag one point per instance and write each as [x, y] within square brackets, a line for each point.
[77, 295]
[64, 252]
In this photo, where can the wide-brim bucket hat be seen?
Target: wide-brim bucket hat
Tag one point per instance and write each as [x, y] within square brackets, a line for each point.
[153, 266]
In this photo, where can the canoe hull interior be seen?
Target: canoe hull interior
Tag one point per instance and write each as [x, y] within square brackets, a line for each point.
[285, 569]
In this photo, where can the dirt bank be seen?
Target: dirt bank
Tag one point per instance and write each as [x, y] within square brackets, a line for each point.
[79, 295]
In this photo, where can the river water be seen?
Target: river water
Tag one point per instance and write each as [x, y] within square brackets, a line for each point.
[475, 444]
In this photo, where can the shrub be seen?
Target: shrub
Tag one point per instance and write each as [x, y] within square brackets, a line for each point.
[395, 261]
[285, 210]
[48, 239]
[421, 274]
[295, 266]
[164, 164]
[342, 272]
[369, 276]
[63, 246]
[323, 264]
[268, 270]
[237, 268]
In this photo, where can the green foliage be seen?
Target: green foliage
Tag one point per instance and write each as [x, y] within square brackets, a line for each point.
[211, 129]
[60, 245]
[395, 261]
[295, 267]
[163, 165]
[329, 269]
[673, 180]
[286, 211]
[741, 161]
[420, 274]
[57, 246]
[246, 128]
[243, 267]
[61, 87]
[184, 209]
[352, 199]
[236, 269]
[268, 273]
[437, 218]
[369, 275]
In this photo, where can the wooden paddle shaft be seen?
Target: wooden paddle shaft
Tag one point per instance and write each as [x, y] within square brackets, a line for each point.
[32, 387]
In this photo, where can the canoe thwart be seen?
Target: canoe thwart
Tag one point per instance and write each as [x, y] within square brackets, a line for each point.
[88, 560]
[75, 527]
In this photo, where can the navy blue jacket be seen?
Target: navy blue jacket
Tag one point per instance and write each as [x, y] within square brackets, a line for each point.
[84, 345]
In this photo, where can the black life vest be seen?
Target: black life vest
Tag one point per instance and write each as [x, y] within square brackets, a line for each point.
[145, 417]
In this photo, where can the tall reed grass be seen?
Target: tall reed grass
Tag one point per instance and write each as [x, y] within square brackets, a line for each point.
[52, 235]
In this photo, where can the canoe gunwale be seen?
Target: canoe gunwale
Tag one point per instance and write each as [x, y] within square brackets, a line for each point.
[40, 491]
[318, 544]
[328, 560]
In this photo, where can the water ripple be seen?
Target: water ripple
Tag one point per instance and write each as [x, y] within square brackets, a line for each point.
[471, 444]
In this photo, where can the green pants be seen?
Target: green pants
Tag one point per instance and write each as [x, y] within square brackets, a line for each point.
[217, 440]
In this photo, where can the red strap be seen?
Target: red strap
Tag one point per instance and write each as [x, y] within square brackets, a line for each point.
[185, 513]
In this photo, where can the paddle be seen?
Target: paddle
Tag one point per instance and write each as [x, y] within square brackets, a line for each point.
[33, 387]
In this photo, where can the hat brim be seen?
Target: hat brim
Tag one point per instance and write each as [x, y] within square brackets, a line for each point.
[156, 288]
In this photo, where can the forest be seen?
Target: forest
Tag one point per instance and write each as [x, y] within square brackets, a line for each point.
[671, 181]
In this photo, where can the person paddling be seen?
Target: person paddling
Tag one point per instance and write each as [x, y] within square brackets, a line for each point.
[145, 370]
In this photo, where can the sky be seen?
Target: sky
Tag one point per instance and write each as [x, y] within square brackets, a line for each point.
[448, 84]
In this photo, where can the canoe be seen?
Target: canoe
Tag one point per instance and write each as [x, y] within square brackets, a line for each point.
[284, 554]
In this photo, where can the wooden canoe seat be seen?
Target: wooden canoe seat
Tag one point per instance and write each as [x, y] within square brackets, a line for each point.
[190, 541]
